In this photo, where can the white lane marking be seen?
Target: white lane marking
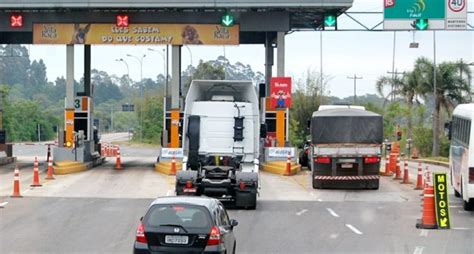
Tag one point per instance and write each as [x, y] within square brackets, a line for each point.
[168, 193]
[354, 229]
[418, 250]
[3, 204]
[455, 206]
[311, 193]
[301, 212]
[462, 211]
[424, 233]
[320, 200]
[332, 212]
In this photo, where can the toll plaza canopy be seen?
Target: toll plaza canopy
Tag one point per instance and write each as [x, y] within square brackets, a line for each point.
[256, 19]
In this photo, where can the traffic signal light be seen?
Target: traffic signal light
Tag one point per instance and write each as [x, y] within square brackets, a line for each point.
[420, 24]
[16, 20]
[330, 20]
[227, 20]
[399, 135]
[122, 20]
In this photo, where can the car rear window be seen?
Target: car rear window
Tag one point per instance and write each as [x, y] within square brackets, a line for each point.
[187, 216]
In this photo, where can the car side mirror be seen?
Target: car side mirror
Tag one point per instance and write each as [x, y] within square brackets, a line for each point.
[447, 129]
[233, 223]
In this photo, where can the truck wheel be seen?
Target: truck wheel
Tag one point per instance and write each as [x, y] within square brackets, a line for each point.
[317, 184]
[373, 185]
[469, 205]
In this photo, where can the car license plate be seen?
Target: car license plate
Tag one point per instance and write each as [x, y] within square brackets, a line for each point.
[347, 165]
[176, 239]
[191, 190]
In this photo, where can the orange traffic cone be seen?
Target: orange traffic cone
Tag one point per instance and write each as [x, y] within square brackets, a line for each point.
[16, 184]
[419, 179]
[288, 165]
[428, 220]
[36, 182]
[173, 166]
[117, 162]
[49, 175]
[406, 177]
[414, 154]
[427, 177]
[398, 173]
[387, 172]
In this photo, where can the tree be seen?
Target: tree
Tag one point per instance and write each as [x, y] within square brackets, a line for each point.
[306, 99]
[104, 88]
[452, 87]
[408, 87]
[14, 64]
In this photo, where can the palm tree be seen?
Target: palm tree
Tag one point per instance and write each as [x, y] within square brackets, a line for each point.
[406, 86]
[452, 87]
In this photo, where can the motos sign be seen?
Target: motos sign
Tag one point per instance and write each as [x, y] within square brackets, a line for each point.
[441, 200]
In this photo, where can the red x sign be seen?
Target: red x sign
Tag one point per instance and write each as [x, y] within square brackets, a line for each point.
[122, 20]
[16, 21]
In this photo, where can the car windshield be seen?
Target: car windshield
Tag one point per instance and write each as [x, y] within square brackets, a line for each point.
[185, 216]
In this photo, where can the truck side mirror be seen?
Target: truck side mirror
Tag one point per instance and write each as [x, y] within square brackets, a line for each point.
[447, 129]
[263, 130]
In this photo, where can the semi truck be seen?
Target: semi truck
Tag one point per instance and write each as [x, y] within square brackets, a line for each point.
[221, 144]
[346, 148]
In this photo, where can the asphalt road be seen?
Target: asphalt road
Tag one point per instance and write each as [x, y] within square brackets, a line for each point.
[97, 211]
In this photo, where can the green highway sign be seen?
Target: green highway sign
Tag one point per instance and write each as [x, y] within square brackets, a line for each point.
[441, 200]
[415, 9]
[330, 21]
[421, 24]
[227, 20]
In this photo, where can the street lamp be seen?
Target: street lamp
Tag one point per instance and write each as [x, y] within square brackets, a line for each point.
[164, 54]
[126, 64]
[140, 60]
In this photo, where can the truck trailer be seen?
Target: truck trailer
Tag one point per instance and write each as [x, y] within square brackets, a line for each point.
[221, 142]
[346, 148]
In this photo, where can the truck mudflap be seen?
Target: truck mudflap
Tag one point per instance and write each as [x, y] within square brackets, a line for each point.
[182, 179]
[246, 190]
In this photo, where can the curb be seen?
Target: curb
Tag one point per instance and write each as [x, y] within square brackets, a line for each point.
[431, 162]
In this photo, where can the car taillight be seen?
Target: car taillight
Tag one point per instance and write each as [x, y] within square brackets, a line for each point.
[372, 159]
[189, 184]
[241, 185]
[214, 236]
[140, 237]
[323, 160]
[471, 175]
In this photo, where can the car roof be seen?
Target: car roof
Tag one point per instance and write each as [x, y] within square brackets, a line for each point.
[207, 202]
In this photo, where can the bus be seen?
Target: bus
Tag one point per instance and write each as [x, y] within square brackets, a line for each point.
[461, 154]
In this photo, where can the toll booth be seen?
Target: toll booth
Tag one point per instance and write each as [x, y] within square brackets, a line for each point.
[172, 119]
[83, 148]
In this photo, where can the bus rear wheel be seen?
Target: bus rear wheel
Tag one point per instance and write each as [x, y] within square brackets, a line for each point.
[468, 205]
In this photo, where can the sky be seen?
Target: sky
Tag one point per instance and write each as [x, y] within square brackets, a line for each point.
[366, 54]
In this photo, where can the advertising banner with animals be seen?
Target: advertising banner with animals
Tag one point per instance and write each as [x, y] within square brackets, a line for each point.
[280, 92]
[173, 34]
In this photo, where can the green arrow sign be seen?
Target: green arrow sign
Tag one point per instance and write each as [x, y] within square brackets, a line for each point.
[330, 21]
[227, 20]
[421, 24]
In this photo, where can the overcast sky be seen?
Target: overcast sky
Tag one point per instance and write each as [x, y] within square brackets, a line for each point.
[366, 54]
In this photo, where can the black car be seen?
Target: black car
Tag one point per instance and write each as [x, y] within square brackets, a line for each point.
[185, 225]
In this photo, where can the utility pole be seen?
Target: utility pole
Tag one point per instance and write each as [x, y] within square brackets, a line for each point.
[393, 60]
[355, 78]
[435, 151]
